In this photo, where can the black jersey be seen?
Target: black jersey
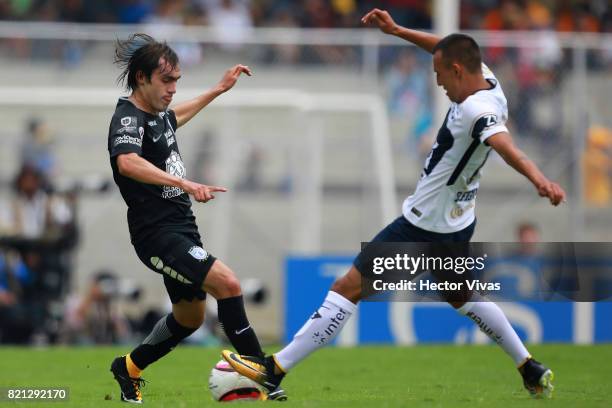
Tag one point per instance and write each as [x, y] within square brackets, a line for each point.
[151, 208]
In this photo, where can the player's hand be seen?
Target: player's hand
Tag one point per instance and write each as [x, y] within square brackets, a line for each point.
[382, 19]
[231, 76]
[552, 191]
[201, 192]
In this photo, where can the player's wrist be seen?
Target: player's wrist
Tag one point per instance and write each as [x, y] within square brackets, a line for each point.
[218, 90]
[181, 183]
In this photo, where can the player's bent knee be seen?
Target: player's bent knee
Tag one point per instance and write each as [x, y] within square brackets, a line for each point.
[232, 286]
[221, 282]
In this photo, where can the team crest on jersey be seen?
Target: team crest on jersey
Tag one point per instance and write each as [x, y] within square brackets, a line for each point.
[458, 211]
[174, 166]
[125, 121]
[198, 253]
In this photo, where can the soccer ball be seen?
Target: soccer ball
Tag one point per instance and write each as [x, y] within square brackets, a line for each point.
[226, 385]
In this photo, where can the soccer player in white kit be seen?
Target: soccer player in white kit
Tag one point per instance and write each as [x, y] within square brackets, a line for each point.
[440, 210]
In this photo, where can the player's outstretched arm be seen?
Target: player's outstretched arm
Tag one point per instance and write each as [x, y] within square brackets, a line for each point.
[135, 167]
[382, 19]
[502, 143]
[187, 110]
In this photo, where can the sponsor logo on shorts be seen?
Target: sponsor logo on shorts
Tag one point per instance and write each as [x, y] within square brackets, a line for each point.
[198, 253]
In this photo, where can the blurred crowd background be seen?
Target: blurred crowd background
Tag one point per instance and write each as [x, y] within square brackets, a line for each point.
[559, 15]
[67, 271]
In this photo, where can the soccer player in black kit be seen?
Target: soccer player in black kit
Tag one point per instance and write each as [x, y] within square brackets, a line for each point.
[150, 173]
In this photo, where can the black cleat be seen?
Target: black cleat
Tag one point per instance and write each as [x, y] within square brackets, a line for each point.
[260, 370]
[130, 387]
[277, 395]
[537, 378]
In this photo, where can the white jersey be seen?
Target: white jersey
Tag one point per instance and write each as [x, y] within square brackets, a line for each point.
[445, 196]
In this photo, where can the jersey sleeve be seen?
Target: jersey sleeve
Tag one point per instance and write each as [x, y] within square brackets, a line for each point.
[126, 133]
[485, 120]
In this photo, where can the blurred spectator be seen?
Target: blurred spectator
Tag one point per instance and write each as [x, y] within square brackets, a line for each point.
[321, 14]
[94, 318]
[133, 11]
[597, 166]
[33, 213]
[408, 85]
[527, 233]
[16, 320]
[169, 15]
[230, 20]
[528, 236]
[42, 226]
[283, 53]
[36, 151]
[252, 168]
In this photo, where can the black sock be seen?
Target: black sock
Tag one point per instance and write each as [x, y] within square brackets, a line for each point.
[166, 334]
[236, 326]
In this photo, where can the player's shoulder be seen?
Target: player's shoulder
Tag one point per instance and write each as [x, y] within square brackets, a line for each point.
[479, 103]
[127, 114]
[125, 107]
[127, 119]
[485, 101]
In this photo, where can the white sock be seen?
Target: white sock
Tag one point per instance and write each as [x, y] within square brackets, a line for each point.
[322, 327]
[493, 322]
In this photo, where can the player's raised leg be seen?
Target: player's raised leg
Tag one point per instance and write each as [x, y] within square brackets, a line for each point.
[320, 329]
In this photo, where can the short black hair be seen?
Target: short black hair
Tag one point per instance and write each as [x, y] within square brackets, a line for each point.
[140, 52]
[460, 48]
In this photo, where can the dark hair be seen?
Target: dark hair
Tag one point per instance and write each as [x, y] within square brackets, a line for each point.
[27, 170]
[460, 48]
[140, 52]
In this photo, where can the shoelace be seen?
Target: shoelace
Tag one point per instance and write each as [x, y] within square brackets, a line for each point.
[138, 383]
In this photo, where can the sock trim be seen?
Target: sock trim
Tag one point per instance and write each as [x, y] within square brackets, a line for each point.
[524, 361]
[280, 367]
[131, 367]
[337, 299]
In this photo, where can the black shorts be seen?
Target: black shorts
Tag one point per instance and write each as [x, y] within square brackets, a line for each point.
[439, 245]
[181, 259]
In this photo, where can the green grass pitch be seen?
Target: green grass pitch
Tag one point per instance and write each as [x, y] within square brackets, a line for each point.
[420, 376]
